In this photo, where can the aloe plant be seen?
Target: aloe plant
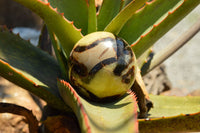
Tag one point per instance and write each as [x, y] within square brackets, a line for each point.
[140, 22]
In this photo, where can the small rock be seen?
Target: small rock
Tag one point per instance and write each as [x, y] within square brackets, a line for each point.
[157, 81]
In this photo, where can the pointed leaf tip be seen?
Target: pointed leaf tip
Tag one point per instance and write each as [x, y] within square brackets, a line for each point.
[67, 34]
[123, 16]
[76, 10]
[62, 14]
[154, 22]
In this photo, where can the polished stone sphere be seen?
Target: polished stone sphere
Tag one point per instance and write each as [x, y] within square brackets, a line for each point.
[102, 66]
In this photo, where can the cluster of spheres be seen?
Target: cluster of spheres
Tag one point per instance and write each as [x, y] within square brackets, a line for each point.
[102, 66]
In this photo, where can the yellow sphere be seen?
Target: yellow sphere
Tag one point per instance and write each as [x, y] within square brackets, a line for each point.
[102, 66]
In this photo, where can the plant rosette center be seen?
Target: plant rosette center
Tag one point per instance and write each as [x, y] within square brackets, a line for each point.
[102, 66]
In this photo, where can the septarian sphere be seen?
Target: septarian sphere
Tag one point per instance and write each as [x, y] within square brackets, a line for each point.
[102, 66]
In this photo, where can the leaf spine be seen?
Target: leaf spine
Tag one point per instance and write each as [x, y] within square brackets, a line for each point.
[14, 70]
[62, 14]
[56, 9]
[35, 85]
[18, 34]
[48, 4]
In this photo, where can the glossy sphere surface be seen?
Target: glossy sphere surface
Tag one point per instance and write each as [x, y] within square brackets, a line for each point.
[102, 66]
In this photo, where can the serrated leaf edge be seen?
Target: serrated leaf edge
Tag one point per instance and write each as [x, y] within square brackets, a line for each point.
[56, 102]
[157, 23]
[79, 103]
[46, 11]
[172, 118]
[11, 74]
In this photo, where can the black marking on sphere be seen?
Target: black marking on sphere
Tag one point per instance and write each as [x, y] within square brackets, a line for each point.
[123, 49]
[121, 65]
[83, 48]
[83, 72]
[93, 97]
[121, 45]
[121, 55]
[187, 114]
[101, 64]
[103, 52]
[126, 78]
[78, 67]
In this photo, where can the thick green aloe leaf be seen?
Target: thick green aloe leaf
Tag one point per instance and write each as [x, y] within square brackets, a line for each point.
[180, 123]
[168, 114]
[66, 32]
[61, 59]
[172, 105]
[126, 2]
[153, 21]
[123, 16]
[108, 11]
[30, 68]
[172, 113]
[92, 18]
[74, 10]
[115, 117]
